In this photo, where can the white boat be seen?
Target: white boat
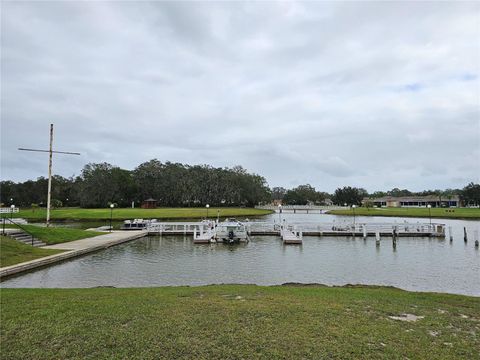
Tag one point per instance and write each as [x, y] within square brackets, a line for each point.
[137, 224]
[231, 231]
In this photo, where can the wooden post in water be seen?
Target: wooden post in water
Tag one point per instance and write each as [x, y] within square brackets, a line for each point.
[450, 232]
[377, 237]
[475, 236]
[364, 229]
[465, 237]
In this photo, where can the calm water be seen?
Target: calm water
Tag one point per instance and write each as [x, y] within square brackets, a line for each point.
[419, 264]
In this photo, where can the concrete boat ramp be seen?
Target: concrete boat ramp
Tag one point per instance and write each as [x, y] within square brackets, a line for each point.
[73, 249]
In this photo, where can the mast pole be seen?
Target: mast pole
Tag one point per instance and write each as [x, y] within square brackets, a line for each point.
[49, 176]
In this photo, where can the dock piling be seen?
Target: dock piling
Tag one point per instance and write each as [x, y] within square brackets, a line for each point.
[450, 232]
[465, 237]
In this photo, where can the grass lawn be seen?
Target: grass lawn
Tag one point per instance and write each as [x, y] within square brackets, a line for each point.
[457, 213]
[57, 235]
[237, 322]
[128, 213]
[14, 252]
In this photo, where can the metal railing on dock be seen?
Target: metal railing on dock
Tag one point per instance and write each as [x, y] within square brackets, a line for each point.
[309, 228]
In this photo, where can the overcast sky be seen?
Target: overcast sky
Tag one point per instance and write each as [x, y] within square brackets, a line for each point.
[375, 95]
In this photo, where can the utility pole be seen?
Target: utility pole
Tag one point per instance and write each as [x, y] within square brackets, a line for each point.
[50, 151]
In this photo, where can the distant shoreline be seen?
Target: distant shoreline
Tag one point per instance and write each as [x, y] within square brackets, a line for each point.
[436, 213]
[120, 214]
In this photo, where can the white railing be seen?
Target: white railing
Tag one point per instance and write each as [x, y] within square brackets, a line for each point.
[9, 210]
[303, 227]
[177, 227]
[349, 227]
[301, 207]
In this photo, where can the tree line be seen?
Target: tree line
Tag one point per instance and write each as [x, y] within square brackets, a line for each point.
[307, 194]
[181, 185]
[171, 184]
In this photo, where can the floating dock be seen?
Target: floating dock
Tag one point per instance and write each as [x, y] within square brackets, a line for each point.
[290, 237]
[204, 237]
[205, 231]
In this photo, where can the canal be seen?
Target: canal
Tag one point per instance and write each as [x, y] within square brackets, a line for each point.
[417, 264]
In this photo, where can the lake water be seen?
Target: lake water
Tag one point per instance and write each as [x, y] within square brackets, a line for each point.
[418, 264]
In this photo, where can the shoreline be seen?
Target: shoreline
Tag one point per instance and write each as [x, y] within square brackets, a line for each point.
[409, 216]
[71, 250]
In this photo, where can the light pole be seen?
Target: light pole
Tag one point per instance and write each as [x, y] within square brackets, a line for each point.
[280, 214]
[11, 212]
[353, 208]
[111, 215]
[207, 206]
[430, 213]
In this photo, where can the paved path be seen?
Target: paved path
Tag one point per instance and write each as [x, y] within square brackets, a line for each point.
[73, 249]
[109, 239]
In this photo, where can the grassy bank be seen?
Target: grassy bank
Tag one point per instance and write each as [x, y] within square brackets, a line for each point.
[459, 213]
[128, 213]
[237, 322]
[57, 235]
[13, 252]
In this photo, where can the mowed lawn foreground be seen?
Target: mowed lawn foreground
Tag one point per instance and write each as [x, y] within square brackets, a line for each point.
[443, 213]
[138, 213]
[237, 322]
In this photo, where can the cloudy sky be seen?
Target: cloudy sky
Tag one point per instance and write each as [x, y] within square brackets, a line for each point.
[376, 95]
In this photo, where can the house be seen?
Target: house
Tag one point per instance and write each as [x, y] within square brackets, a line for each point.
[415, 201]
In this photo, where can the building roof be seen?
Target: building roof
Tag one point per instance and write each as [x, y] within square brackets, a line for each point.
[415, 198]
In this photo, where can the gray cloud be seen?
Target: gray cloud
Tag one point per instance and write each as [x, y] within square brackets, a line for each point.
[377, 95]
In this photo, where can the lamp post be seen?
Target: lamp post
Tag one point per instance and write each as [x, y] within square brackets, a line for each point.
[280, 214]
[353, 208]
[111, 215]
[207, 206]
[11, 212]
[430, 212]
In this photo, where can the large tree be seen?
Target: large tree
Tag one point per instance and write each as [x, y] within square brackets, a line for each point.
[302, 195]
[349, 195]
[104, 183]
[471, 194]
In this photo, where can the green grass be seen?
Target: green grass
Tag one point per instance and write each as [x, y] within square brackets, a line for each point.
[57, 235]
[237, 322]
[13, 252]
[457, 213]
[128, 213]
